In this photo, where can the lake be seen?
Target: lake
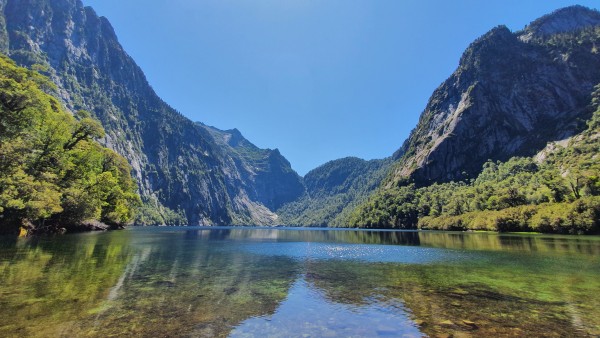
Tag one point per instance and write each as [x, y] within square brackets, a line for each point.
[262, 282]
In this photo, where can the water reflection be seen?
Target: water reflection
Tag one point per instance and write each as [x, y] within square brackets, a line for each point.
[355, 252]
[306, 235]
[47, 281]
[308, 312]
[447, 240]
[257, 282]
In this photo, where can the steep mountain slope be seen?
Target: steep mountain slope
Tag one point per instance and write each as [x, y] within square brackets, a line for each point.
[272, 180]
[185, 175]
[511, 94]
[333, 191]
[557, 191]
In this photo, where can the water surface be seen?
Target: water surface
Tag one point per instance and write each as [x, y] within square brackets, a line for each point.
[256, 282]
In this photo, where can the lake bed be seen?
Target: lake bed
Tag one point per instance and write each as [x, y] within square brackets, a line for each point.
[256, 282]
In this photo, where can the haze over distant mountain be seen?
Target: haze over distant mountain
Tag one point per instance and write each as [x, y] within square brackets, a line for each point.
[185, 173]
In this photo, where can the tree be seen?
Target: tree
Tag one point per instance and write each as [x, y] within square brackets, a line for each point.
[53, 174]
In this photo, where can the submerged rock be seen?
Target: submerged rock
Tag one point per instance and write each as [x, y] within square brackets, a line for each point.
[469, 323]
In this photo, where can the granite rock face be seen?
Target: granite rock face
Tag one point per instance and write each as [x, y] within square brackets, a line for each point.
[185, 173]
[511, 94]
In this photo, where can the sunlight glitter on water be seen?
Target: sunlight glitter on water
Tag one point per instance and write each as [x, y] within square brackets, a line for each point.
[356, 252]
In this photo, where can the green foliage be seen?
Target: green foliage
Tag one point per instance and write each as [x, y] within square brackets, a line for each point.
[152, 212]
[579, 217]
[559, 194]
[333, 191]
[52, 173]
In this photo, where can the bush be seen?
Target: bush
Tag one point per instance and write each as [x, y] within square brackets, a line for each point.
[53, 174]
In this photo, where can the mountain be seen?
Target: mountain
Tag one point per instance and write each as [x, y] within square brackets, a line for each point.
[333, 190]
[273, 181]
[556, 191]
[509, 142]
[511, 94]
[187, 173]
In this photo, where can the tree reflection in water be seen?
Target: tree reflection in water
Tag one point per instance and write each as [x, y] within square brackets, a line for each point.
[280, 282]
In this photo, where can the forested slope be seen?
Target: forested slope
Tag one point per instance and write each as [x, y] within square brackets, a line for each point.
[333, 190]
[469, 162]
[558, 190]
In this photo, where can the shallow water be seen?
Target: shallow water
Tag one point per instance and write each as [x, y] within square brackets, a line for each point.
[256, 282]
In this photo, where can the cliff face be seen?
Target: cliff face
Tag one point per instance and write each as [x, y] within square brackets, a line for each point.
[269, 177]
[511, 94]
[185, 173]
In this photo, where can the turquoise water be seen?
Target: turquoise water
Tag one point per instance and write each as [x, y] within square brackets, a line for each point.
[257, 282]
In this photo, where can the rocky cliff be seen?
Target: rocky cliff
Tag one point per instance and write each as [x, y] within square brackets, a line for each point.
[187, 173]
[511, 94]
[268, 175]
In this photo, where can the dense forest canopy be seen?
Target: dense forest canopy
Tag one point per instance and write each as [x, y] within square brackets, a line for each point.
[333, 191]
[557, 191]
[54, 176]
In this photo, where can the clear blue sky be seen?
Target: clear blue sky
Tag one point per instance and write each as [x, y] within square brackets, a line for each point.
[319, 80]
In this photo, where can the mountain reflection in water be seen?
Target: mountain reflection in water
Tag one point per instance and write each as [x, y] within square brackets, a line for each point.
[295, 282]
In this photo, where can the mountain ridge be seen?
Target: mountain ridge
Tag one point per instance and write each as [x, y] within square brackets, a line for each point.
[183, 175]
[333, 190]
[511, 94]
[486, 153]
[562, 20]
[518, 94]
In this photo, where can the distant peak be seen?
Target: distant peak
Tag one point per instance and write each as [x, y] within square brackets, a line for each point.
[563, 20]
[235, 132]
[491, 43]
[500, 32]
